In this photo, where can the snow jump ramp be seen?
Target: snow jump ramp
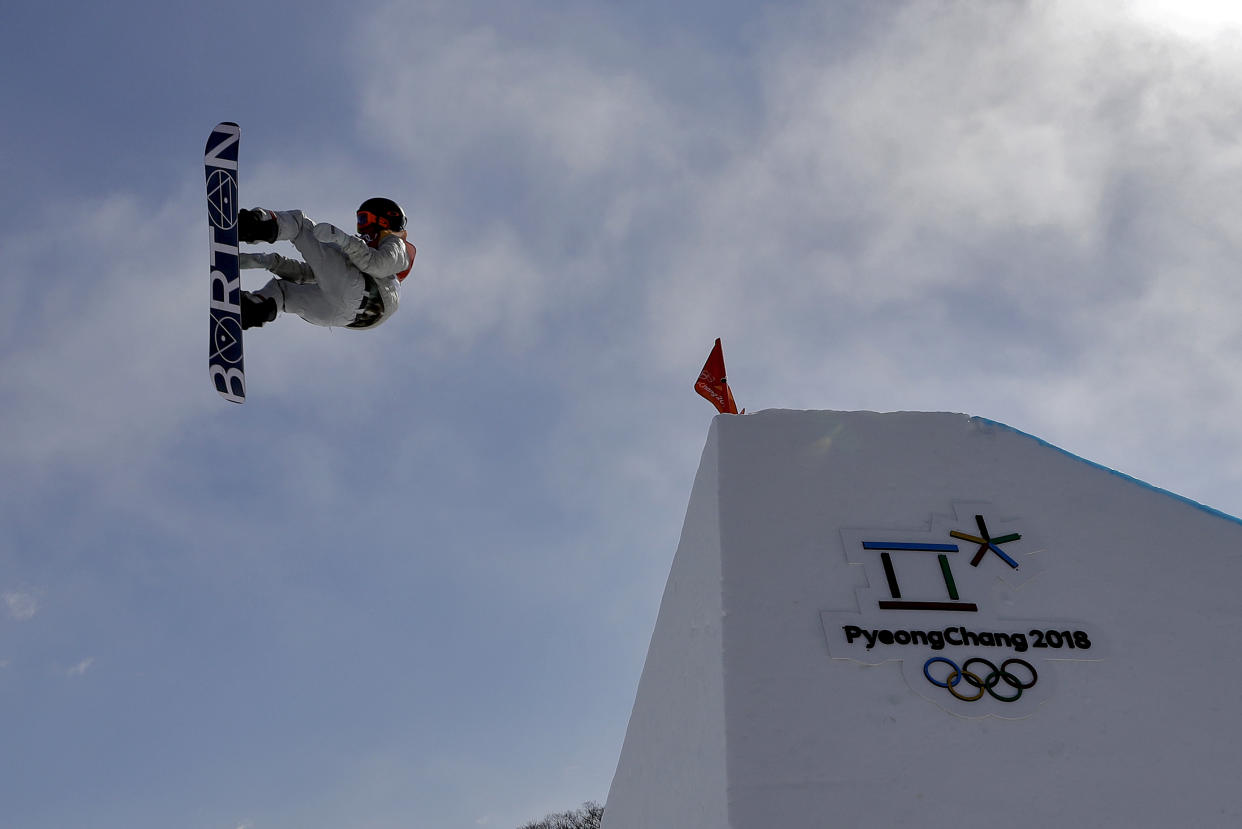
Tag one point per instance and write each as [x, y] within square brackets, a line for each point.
[934, 620]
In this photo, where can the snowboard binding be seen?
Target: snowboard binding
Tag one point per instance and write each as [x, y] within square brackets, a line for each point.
[257, 225]
[256, 310]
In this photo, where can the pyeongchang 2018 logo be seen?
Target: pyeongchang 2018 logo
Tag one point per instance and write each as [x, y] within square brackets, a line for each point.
[928, 603]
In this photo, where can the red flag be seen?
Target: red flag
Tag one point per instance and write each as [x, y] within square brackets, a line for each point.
[712, 383]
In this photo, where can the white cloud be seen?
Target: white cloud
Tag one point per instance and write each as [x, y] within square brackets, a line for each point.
[22, 606]
[100, 368]
[968, 196]
[81, 668]
[1195, 19]
[546, 96]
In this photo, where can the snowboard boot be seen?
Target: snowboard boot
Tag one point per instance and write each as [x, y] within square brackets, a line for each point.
[256, 310]
[256, 225]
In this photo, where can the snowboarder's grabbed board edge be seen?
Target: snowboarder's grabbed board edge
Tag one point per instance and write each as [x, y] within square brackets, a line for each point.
[343, 280]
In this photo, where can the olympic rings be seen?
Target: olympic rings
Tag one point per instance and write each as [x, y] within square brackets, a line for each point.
[987, 684]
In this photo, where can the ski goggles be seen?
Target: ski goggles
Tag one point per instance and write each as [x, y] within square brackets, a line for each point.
[368, 219]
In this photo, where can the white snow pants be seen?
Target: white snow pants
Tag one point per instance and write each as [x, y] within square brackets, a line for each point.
[333, 295]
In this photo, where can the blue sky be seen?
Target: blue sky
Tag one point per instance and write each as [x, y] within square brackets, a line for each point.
[412, 580]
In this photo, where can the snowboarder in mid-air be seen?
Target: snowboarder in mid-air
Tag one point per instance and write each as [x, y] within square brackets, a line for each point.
[344, 280]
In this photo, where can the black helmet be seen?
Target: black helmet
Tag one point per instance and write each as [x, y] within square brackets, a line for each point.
[379, 214]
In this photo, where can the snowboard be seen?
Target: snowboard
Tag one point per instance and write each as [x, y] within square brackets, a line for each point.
[220, 165]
